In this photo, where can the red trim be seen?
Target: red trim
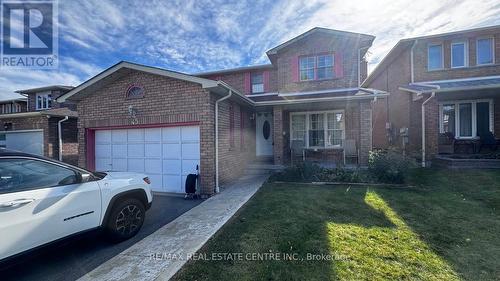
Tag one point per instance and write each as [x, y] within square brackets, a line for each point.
[90, 138]
[156, 125]
[339, 66]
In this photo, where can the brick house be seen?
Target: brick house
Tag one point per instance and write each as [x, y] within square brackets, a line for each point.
[167, 124]
[452, 79]
[14, 104]
[34, 125]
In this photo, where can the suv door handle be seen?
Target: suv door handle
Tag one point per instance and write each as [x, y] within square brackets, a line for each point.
[16, 203]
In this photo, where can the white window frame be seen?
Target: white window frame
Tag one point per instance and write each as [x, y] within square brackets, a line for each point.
[428, 56]
[315, 68]
[252, 84]
[325, 127]
[457, 103]
[466, 53]
[492, 50]
[46, 97]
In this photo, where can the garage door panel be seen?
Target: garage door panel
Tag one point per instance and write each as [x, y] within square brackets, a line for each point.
[172, 183]
[171, 134]
[156, 182]
[119, 165]
[190, 134]
[152, 150]
[172, 167]
[135, 150]
[119, 151]
[190, 151]
[136, 135]
[189, 166]
[135, 165]
[172, 151]
[166, 155]
[29, 142]
[152, 135]
[103, 164]
[119, 136]
[153, 166]
[103, 150]
[102, 137]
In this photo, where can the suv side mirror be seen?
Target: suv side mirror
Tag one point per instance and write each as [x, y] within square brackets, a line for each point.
[83, 177]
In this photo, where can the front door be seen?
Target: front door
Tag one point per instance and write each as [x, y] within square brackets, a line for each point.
[264, 134]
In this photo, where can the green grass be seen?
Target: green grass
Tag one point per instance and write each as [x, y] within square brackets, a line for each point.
[446, 228]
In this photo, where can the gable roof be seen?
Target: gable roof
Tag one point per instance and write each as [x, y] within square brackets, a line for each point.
[124, 67]
[45, 88]
[329, 31]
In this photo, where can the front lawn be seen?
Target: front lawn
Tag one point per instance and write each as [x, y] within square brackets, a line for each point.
[445, 228]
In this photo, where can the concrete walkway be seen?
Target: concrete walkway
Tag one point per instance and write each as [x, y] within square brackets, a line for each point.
[160, 255]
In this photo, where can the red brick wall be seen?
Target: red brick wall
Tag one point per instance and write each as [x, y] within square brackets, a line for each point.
[319, 43]
[237, 79]
[422, 74]
[166, 101]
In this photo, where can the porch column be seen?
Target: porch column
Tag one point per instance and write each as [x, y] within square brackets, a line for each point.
[431, 129]
[278, 135]
[365, 134]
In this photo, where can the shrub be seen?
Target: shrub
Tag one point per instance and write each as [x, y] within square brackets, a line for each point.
[389, 166]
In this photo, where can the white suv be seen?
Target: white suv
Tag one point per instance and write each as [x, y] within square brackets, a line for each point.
[42, 200]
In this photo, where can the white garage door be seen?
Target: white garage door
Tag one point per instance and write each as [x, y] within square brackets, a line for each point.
[166, 155]
[26, 141]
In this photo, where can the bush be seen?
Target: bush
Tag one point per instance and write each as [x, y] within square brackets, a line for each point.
[389, 166]
[307, 172]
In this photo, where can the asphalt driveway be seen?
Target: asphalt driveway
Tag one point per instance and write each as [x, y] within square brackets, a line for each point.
[74, 257]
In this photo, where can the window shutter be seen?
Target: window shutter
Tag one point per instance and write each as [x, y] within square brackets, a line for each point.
[339, 65]
[295, 69]
[248, 83]
[266, 81]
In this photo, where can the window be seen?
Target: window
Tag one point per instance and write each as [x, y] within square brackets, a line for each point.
[316, 67]
[318, 129]
[307, 65]
[435, 57]
[484, 52]
[325, 67]
[43, 101]
[257, 83]
[466, 119]
[458, 54]
[25, 174]
[135, 92]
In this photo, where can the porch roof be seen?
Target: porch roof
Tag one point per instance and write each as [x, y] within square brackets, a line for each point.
[476, 83]
[316, 96]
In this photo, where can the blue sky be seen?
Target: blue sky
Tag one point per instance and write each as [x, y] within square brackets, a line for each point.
[195, 35]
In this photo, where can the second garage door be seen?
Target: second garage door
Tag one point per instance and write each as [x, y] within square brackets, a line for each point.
[167, 155]
[25, 141]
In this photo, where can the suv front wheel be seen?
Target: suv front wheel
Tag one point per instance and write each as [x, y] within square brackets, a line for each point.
[126, 219]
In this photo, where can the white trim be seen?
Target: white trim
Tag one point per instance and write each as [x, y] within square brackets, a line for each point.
[492, 50]
[262, 95]
[46, 98]
[22, 114]
[461, 79]
[21, 131]
[325, 127]
[442, 56]
[466, 54]
[318, 92]
[311, 100]
[473, 102]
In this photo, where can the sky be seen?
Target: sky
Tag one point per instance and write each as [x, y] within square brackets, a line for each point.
[195, 35]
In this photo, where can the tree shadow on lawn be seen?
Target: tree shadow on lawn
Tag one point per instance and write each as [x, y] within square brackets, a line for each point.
[455, 212]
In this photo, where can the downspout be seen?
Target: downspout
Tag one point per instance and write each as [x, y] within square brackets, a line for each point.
[423, 127]
[217, 190]
[59, 130]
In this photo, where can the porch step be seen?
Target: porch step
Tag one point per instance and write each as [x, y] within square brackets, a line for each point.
[263, 168]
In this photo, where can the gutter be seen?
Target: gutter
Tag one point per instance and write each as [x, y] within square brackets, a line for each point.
[311, 100]
[217, 189]
[59, 130]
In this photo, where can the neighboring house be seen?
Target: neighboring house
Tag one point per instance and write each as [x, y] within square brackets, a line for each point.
[36, 129]
[13, 104]
[166, 124]
[452, 78]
